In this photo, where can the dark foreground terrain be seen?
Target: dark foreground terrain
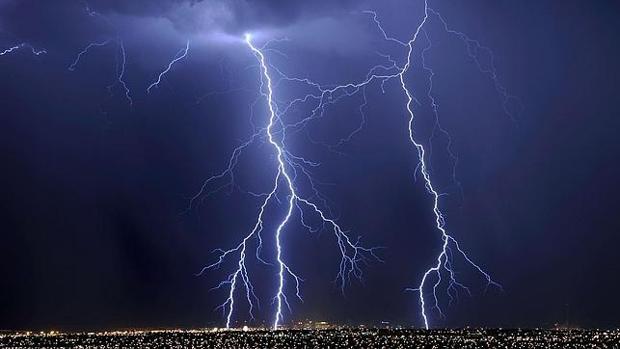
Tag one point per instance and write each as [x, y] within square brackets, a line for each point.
[337, 338]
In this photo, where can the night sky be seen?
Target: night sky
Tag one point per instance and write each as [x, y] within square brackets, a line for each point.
[96, 226]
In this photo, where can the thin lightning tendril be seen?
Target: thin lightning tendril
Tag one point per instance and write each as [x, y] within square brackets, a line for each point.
[121, 73]
[511, 104]
[121, 58]
[179, 56]
[121, 64]
[20, 46]
[73, 65]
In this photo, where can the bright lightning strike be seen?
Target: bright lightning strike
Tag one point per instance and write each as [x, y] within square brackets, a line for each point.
[280, 297]
[288, 167]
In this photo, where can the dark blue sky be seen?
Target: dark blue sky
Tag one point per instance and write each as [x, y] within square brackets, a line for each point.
[95, 230]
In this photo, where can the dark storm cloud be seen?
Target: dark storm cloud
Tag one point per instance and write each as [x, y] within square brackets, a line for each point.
[35, 18]
[242, 13]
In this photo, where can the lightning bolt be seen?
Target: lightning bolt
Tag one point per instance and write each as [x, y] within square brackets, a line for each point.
[22, 46]
[444, 258]
[282, 171]
[179, 56]
[288, 168]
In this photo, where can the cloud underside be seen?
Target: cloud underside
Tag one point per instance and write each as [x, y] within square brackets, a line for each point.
[186, 16]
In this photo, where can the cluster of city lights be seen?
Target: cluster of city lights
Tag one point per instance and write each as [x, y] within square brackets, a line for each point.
[245, 337]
